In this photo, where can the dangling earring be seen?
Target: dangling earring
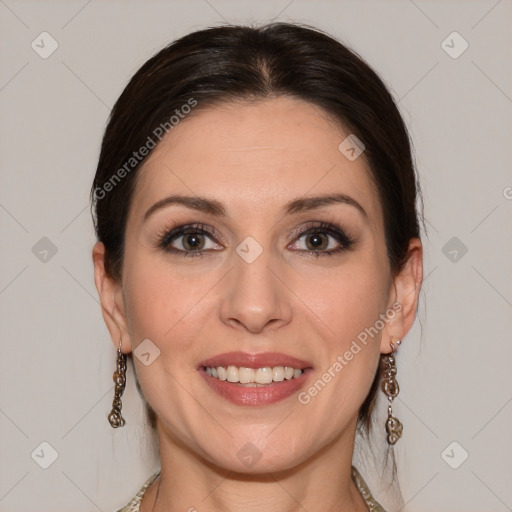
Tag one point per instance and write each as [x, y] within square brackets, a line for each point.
[115, 418]
[390, 387]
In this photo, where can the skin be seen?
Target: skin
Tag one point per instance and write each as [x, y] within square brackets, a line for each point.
[254, 158]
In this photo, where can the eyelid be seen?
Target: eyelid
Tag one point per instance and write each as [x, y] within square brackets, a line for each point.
[326, 223]
[176, 228]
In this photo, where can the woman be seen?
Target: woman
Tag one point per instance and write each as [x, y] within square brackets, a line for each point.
[259, 254]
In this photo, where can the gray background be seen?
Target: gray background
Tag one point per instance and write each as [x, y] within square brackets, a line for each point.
[57, 359]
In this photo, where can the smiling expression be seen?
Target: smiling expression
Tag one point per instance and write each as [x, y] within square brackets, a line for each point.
[250, 232]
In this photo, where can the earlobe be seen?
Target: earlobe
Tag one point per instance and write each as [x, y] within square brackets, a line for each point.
[112, 310]
[407, 286]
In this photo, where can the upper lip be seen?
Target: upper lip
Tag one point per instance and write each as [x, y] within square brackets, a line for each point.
[261, 360]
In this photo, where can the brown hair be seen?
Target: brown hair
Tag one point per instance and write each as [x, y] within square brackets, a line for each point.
[229, 63]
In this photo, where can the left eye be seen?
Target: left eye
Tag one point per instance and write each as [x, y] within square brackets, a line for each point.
[325, 239]
[318, 240]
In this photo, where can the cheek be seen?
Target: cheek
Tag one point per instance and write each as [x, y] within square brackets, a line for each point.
[350, 305]
[350, 299]
[159, 307]
[168, 307]
[155, 298]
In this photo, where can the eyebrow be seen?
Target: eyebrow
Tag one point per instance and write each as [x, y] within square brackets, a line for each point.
[216, 208]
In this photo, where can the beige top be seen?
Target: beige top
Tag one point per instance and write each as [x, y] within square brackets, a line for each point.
[373, 505]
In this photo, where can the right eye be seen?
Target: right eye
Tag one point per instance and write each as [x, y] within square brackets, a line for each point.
[191, 238]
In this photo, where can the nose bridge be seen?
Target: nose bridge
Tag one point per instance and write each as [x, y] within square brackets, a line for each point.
[254, 296]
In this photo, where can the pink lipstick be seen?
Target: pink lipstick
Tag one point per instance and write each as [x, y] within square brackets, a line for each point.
[253, 393]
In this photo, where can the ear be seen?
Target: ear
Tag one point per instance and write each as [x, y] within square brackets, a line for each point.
[112, 301]
[404, 297]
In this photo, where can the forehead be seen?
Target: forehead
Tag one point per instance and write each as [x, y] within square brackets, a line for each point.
[254, 155]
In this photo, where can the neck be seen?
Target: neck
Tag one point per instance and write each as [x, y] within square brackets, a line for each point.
[188, 482]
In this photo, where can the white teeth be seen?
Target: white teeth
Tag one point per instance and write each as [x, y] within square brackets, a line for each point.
[232, 374]
[278, 373]
[264, 375]
[246, 375]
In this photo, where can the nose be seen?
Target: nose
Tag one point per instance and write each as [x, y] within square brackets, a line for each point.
[255, 295]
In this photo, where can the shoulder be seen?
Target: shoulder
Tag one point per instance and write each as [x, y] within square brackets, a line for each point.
[134, 504]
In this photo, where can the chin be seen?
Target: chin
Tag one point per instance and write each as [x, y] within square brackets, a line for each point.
[248, 457]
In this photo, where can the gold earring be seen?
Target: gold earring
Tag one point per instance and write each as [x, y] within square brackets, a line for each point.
[390, 387]
[115, 418]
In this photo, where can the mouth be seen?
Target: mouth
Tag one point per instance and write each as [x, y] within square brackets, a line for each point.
[255, 379]
[251, 377]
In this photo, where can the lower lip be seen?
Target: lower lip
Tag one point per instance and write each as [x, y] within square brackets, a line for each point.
[260, 395]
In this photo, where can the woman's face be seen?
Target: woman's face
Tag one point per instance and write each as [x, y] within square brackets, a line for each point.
[261, 271]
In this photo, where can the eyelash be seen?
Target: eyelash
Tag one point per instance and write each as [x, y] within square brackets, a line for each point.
[167, 235]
